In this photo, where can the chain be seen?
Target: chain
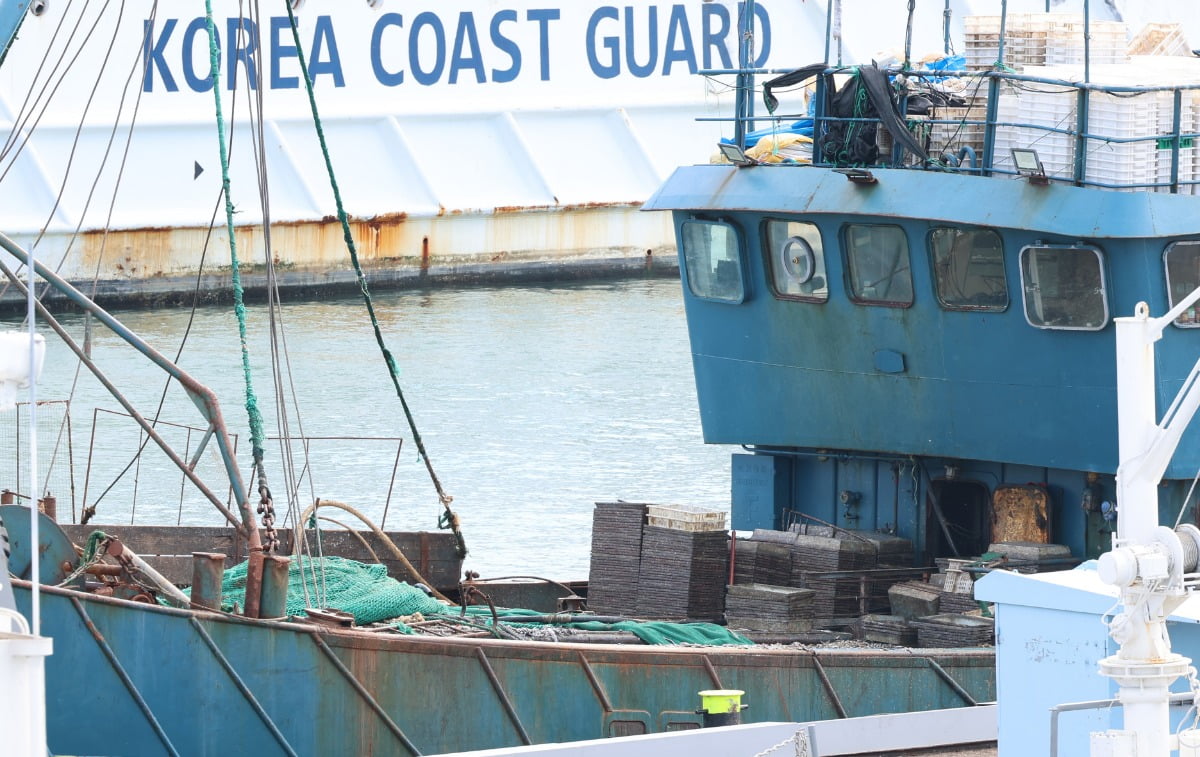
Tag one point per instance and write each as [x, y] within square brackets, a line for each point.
[266, 508]
[799, 739]
[97, 556]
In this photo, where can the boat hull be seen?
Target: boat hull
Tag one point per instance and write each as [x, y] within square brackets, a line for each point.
[197, 683]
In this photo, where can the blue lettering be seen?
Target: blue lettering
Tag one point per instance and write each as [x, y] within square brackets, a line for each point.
[279, 51]
[322, 38]
[466, 36]
[543, 18]
[414, 62]
[634, 68]
[385, 77]
[196, 83]
[715, 39]
[612, 68]
[152, 57]
[506, 45]
[238, 53]
[678, 30]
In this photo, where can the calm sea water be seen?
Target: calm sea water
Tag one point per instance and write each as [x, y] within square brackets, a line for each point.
[533, 402]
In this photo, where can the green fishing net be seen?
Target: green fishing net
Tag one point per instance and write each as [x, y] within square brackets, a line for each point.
[364, 591]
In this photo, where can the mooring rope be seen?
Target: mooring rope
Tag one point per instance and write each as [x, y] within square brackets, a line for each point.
[450, 519]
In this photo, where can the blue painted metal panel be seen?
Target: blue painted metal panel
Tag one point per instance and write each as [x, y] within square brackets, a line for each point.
[12, 12]
[760, 489]
[435, 690]
[984, 386]
[1061, 210]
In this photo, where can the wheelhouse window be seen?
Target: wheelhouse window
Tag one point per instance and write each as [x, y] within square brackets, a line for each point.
[714, 267]
[1183, 276]
[877, 265]
[968, 269]
[1064, 287]
[797, 260]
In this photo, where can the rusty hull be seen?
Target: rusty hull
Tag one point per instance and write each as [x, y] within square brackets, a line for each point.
[161, 265]
[277, 687]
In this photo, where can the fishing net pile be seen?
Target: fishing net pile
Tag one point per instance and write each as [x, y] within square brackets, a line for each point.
[370, 595]
[364, 591]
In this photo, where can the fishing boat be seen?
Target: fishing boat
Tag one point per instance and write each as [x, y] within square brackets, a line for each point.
[184, 674]
[909, 324]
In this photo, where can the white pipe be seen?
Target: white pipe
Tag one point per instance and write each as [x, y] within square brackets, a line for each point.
[1137, 495]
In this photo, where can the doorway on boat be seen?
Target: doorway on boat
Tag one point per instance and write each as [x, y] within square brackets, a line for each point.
[958, 524]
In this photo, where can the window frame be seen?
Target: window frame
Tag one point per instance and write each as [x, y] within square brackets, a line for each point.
[739, 244]
[770, 260]
[1095, 250]
[848, 268]
[1167, 279]
[937, 290]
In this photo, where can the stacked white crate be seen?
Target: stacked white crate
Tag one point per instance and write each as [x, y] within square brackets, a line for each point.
[1187, 150]
[1124, 163]
[1040, 106]
[1024, 40]
[1065, 44]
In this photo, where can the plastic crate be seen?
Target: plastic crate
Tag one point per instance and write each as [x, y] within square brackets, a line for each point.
[685, 518]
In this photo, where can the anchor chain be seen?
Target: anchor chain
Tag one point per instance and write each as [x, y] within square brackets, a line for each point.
[266, 509]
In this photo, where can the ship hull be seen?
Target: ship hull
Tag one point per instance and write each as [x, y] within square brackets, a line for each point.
[198, 682]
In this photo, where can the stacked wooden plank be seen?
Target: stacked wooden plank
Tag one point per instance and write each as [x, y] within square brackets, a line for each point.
[683, 574]
[760, 607]
[616, 557]
[946, 631]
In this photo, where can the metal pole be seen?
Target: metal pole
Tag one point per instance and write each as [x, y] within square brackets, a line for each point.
[829, 27]
[34, 575]
[1087, 42]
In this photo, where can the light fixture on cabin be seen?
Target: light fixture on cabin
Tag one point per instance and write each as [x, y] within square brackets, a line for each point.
[735, 155]
[1029, 164]
[858, 175]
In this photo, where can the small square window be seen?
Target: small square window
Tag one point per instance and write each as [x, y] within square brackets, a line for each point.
[714, 264]
[968, 269]
[877, 264]
[1064, 288]
[1183, 276]
[797, 260]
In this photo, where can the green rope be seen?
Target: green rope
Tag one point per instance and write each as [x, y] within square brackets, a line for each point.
[393, 371]
[239, 306]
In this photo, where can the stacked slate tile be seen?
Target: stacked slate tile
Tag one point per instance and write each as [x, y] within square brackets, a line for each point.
[914, 599]
[759, 607]
[813, 556]
[616, 557]
[762, 562]
[888, 629]
[683, 574]
[1032, 557]
[948, 631]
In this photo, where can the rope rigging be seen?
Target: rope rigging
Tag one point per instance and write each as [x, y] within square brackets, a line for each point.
[265, 506]
[449, 519]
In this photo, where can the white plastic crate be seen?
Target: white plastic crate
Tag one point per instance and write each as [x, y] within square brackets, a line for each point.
[685, 518]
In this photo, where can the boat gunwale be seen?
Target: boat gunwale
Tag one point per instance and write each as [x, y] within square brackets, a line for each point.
[362, 640]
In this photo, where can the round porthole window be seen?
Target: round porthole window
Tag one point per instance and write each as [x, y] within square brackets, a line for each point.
[798, 259]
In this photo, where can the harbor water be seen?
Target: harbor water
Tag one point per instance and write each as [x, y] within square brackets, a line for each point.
[533, 402]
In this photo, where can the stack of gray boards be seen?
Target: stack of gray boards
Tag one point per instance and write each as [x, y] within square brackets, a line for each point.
[762, 562]
[616, 557]
[888, 629]
[759, 607]
[1031, 557]
[815, 556]
[943, 631]
[683, 574]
